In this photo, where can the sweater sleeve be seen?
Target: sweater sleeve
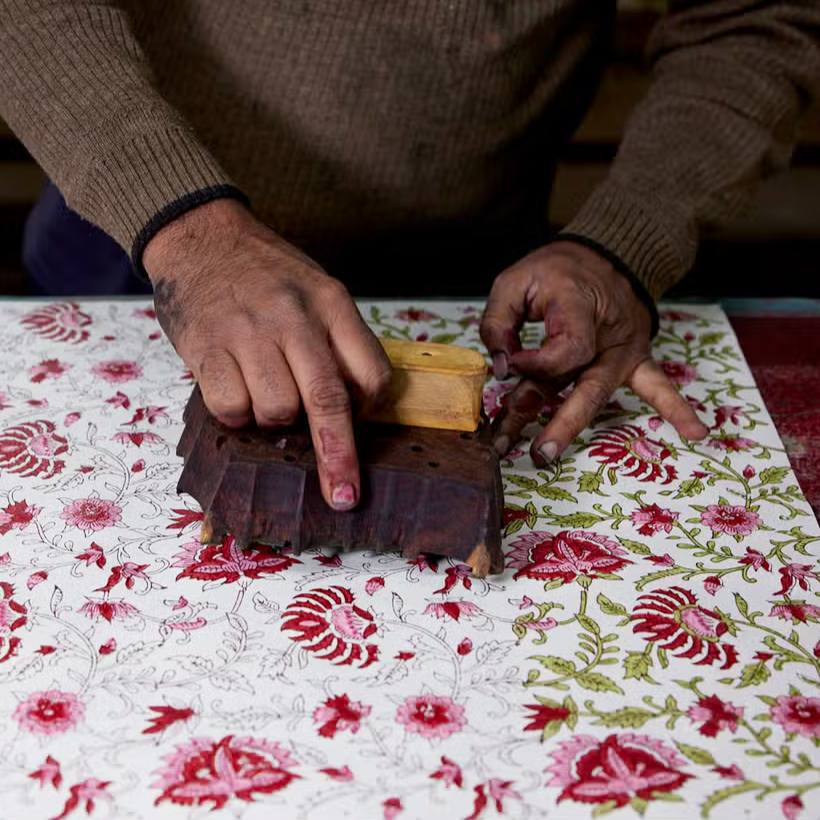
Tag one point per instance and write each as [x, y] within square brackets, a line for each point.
[78, 91]
[730, 81]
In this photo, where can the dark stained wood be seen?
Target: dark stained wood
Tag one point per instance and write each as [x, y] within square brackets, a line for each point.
[423, 490]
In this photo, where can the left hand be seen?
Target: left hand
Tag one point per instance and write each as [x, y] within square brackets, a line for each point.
[597, 335]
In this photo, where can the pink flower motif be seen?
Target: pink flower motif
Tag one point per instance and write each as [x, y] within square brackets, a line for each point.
[712, 584]
[17, 516]
[48, 369]
[792, 806]
[431, 716]
[494, 396]
[36, 578]
[665, 560]
[30, 449]
[84, 794]
[343, 775]
[796, 612]
[749, 471]
[137, 438]
[49, 713]
[727, 413]
[226, 561]
[414, 315]
[4, 400]
[678, 316]
[71, 418]
[108, 610]
[453, 609]
[91, 514]
[233, 768]
[60, 322]
[374, 584]
[108, 647]
[652, 519]
[714, 715]
[730, 519]
[117, 371]
[733, 772]
[138, 466]
[449, 773]
[392, 808]
[756, 560]
[617, 769]
[119, 400]
[146, 313]
[465, 647]
[340, 713]
[48, 773]
[628, 449]
[732, 444]
[654, 423]
[679, 373]
[791, 573]
[798, 714]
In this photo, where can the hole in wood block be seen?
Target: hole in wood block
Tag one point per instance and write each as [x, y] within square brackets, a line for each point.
[426, 353]
[417, 448]
[220, 440]
[290, 459]
[432, 463]
[467, 435]
[244, 439]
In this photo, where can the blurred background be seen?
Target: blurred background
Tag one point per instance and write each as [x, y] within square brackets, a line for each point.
[772, 250]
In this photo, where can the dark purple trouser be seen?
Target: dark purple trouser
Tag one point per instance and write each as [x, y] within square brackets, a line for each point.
[67, 256]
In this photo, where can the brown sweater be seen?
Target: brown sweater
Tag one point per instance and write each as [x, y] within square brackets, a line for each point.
[402, 137]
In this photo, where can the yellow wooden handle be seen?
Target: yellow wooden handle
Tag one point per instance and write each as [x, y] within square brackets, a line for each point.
[433, 386]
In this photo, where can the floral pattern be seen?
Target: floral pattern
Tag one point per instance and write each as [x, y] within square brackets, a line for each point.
[651, 648]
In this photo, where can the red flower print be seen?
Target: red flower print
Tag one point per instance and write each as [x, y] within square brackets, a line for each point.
[449, 773]
[756, 560]
[30, 449]
[665, 560]
[404, 656]
[733, 772]
[184, 518]
[4, 400]
[424, 562]
[117, 371]
[796, 612]
[46, 650]
[495, 394]
[712, 584]
[732, 444]
[414, 315]
[543, 713]
[566, 555]
[119, 400]
[729, 519]
[678, 316]
[138, 466]
[108, 610]
[453, 609]
[129, 571]
[88, 791]
[392, 808]
[228, 562]
[328, 621]
[431, 716]
[146, 313]
[108, 647]
[208, 771]
[792, 806]
[13, 616]
[61, 322]
[791, 573]
[48, 369]
[465, 646]
[17, 516]
[496, 790]
[652, 518]
[673, 615]
[714, 714]
[620, 769]
[36, 578]
[49, 713]
[628, 448]
[166, 716]
[151, 414]
[48, 773]
[797, 714]
[137, 438]
[749, 471]
[91, 514]
[340, 713]
[374, 584]
[679, 373]
[460, 572]
[93, 555]
[729, 413]
[343, 775]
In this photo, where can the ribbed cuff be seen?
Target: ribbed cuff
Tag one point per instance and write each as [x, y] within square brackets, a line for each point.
[140, 186]
[651, 242]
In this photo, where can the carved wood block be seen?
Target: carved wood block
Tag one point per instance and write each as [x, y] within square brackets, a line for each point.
[423, 490]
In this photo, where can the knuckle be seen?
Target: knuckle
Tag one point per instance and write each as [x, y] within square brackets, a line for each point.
[281, 414]
[596, 394]
[377, 379]
[328, 396]
[580, 348]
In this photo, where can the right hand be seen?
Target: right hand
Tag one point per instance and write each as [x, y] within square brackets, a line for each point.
[264, 330]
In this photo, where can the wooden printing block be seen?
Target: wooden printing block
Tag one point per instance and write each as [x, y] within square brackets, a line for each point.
[423, 490]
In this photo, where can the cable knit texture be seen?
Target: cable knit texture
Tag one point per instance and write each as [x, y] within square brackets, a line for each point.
[403, 133]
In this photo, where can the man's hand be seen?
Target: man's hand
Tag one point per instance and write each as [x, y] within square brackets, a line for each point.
[265, 330]
[597, 335]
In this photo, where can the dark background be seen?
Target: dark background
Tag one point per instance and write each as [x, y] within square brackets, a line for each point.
[773, 250]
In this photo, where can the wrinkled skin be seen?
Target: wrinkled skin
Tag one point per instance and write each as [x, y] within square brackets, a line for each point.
[597, 336]
[267, 332]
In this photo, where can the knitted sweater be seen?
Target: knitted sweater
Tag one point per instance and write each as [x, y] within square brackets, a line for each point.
[403, 137]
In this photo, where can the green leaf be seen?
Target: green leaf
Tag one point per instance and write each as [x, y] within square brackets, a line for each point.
[710, 338]
[639, 804]
[609, 607]
[630, 717]
[773, 475]
[375, 313]
[724, 794]
[551, 729]
[742, 605]
[514, 526]
[589, 483]
[588, 624]
[522, 481]
[635, 546]
[598, 682]
[560, 666]
[637, 665]
[657, 576]
[689, 488]
[604, 808]
[445, 338]
[700, 756]
[754, 674]
[555, 493]
[578, 519]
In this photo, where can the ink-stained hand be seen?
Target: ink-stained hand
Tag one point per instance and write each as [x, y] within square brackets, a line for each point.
[597, 336]
[266, 332]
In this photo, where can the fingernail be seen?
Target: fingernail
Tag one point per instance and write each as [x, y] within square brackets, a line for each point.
[500, 366]
[502, 445]
[343, 496]
[548, 451]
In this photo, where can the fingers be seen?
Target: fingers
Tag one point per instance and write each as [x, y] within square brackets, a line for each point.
[520, 408]
[274, 395]
[650, 383]
[223, 388]
[502, 319]
[327, 402]
[592, 391]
